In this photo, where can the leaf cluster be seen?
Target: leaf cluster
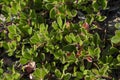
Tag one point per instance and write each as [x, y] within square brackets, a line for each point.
[59, 36]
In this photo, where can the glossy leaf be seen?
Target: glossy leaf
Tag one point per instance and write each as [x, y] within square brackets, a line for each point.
[95, 6]
[58, 73]
[67, 76]
[117, 25]
[118, 58]
[116, 39]
[60, 22]
[104, 4]
[40, 73]
[52, 13]
[36, 38]
[12, 29]
[101, 18]
[55, 25]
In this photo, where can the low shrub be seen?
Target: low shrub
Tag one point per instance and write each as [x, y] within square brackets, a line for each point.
[62, 37]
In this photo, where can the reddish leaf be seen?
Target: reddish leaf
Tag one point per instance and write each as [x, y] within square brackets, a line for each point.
[78, 46]
[67, 24]
[30, 67]
[86, 26]
[68, 54]
[89, 59]
[78, 54]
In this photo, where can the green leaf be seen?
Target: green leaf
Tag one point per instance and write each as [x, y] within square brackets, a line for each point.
[116, 39]
[82, 67]
[68, 39]
[109, 59]
[69, 14]
[62, 59]
[48, 66]
[118, 58]
[117, 33]
[40, 73]
[15, 7]
[113, 50]
[74, 13]
[58, 73]
[94, 52]
[11, 47]
[78, 40]
[35, 38]
[11, 36]
[59, 21]
[67, 76]
[104, 4]
[86, 72]
[42, 27]
[59, 36]
[42, 56]
[97, 39]
[1, 70]
[58, 54]
[65, 68]
[52, 13]
[117, 25]
[95, 71]
[90, 19]
[101, 18]
[18, 38]
[12, 29]
[16, 76]
[23, 60]
[13, 10]
[91, 51]
[55, 25]
[33, 14]
[26, 54]
[49, 6]
[30, 31]
[79, 75]
[72, 58]
[5, 45]
[95, 6]
[97, 52]
[104, 69]
[71, 35]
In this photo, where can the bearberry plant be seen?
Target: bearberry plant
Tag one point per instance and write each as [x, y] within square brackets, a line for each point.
[62, 38]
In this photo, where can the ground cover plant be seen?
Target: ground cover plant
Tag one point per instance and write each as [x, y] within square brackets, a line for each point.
[58, 40]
